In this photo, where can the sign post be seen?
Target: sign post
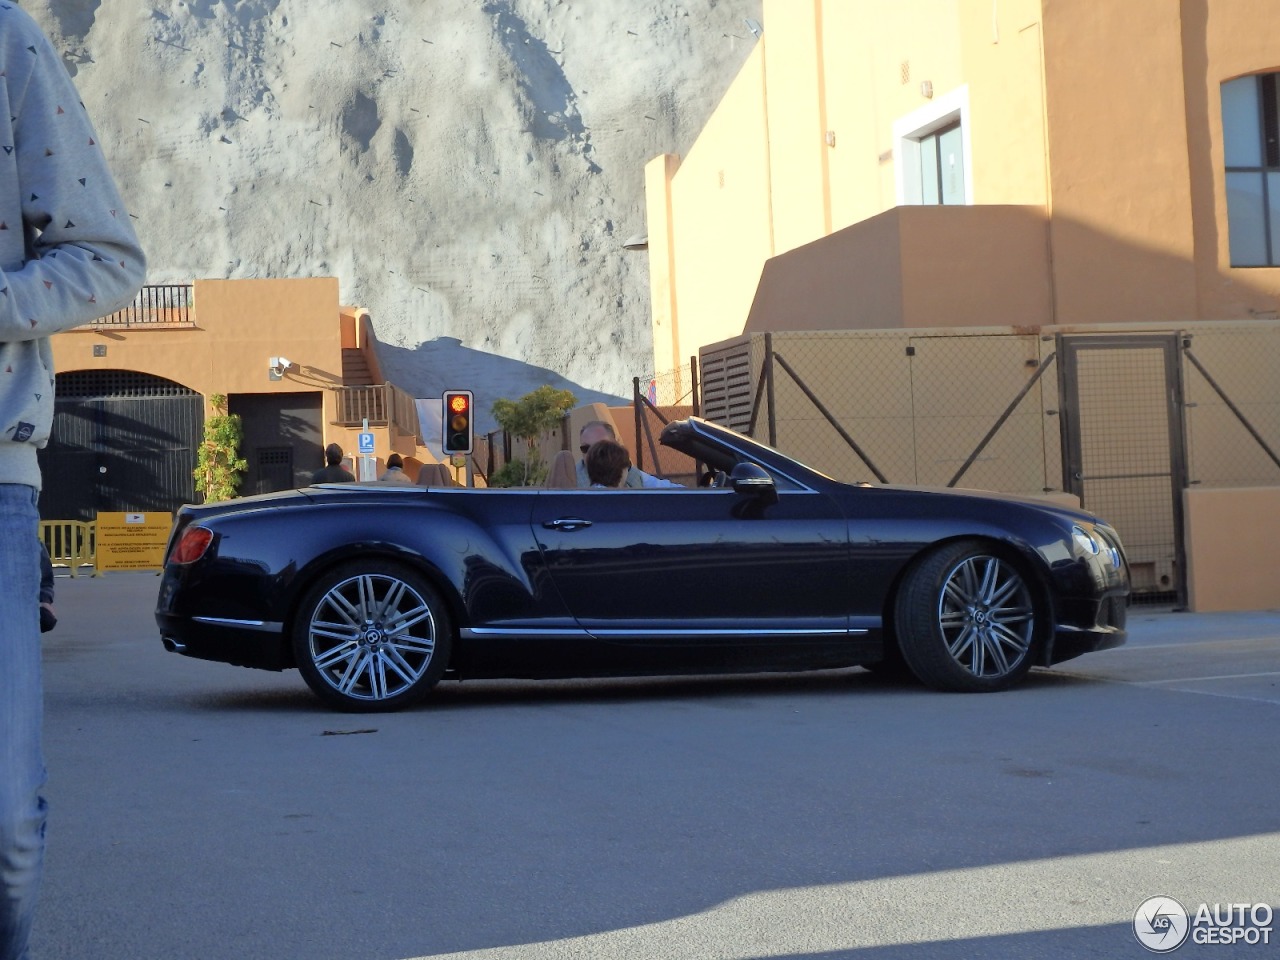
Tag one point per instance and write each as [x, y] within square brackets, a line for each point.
[367, 468]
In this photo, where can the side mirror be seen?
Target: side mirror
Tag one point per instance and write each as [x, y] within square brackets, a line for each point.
[752, 480]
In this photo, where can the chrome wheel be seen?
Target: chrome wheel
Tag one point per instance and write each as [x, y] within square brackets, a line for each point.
[986, 617]
[372, 637]
[967, 618]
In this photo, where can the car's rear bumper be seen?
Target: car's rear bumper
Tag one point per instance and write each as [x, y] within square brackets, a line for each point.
[241, 643]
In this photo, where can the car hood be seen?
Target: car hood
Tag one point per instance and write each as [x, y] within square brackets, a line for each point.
[1064, 504]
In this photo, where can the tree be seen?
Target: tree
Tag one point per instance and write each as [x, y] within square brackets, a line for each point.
[528, 419]
[218, 465]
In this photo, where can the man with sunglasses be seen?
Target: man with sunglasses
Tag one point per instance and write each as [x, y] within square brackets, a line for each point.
[636, 478]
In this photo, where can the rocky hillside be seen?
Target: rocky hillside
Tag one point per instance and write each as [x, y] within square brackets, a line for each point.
[468, 169]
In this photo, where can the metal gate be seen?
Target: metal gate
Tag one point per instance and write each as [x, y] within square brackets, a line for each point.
[121, 441]
[1123, 453]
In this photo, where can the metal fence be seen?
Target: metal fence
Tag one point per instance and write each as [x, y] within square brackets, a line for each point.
[1123, 419]
[156, 303]
[380, 405]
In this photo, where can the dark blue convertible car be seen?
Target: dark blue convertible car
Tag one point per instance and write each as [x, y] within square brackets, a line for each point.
[376, 592]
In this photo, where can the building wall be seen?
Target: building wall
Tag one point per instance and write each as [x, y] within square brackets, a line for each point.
[913, 267]
[237, 327]
[1120, 182]
[1223, 526]
[723, 234]
[1106, 116]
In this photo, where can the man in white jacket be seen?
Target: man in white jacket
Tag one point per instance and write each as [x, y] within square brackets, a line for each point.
[68, 255]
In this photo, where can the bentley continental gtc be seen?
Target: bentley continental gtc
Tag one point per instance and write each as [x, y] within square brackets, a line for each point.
[376, 592]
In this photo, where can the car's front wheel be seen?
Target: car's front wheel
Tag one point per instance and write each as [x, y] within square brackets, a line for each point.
[967, 619]
[371, 637]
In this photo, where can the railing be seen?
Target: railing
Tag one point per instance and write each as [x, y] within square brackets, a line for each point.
[70, 543]
[156, 303]
[381, 404]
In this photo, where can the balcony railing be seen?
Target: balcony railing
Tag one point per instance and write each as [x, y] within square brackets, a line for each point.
[156, 303]
[381, 404]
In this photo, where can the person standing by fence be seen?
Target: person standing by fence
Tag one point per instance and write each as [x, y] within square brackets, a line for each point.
[68, 255]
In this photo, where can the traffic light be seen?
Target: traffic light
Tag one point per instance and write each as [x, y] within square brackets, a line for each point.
[457, 421]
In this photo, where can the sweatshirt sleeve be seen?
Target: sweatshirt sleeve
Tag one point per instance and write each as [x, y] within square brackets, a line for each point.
[80, 256]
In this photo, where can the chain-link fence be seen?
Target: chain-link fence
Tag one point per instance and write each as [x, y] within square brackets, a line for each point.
[1121, 419]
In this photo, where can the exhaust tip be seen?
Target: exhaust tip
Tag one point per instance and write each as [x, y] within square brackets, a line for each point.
[173, 646]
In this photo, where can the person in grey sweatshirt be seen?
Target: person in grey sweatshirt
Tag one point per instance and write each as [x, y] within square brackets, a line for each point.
[68, 255]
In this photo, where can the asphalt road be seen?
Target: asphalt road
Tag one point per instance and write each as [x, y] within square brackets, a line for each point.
[205, 811]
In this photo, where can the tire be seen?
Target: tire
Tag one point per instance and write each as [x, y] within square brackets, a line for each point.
[967, 619]
[371, 637]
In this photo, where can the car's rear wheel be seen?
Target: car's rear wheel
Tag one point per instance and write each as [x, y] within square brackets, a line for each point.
[967, 619]
[371, 636]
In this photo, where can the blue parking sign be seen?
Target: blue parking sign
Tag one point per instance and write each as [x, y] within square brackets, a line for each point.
[366, 443]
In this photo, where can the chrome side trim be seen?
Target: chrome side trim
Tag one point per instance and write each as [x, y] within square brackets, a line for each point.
[545, 633]
[480, 633]
[833, 632]
[266, 626]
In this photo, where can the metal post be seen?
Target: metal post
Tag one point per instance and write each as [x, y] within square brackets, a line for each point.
[637, 406]
[695, 387]
[773, 409]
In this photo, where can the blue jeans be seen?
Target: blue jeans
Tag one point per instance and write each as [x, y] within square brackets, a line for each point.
[22, 774]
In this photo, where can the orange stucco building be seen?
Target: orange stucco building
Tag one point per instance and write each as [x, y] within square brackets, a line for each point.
[133, 392]
[1060, 173]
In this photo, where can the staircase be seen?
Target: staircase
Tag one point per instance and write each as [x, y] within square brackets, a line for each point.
[355, 368]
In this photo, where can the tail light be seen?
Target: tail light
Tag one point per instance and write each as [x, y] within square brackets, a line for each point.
[191, 545]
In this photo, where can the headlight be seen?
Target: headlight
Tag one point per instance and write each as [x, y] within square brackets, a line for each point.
[1092, 542]
[1086, 543]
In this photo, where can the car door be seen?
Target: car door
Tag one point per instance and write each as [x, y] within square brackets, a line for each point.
[697, 566]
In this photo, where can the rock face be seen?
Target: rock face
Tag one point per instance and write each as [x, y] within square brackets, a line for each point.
[469, 170]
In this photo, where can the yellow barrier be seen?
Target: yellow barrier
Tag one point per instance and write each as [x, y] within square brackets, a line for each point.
[71, 543]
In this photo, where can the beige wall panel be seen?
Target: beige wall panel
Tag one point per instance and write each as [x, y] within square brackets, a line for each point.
[1002, 64]
[260, 319]
[875, 56]
[721, 219]
[793, 104]
[860, 183]
[1233, 549]
[658, 176]
[953, 267]
[178, 355]
[1118, 163]
[239, 326]
[974, 266]
[848, 280]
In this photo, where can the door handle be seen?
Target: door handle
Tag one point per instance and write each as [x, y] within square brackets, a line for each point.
[566, 523]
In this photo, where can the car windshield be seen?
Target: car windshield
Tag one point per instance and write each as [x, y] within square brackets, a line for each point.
[693, 457]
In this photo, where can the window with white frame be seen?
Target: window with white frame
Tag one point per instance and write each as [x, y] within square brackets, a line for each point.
[1251, 146]
[932, 145]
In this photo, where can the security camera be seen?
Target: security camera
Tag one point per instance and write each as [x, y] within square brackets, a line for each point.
[278, 366]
